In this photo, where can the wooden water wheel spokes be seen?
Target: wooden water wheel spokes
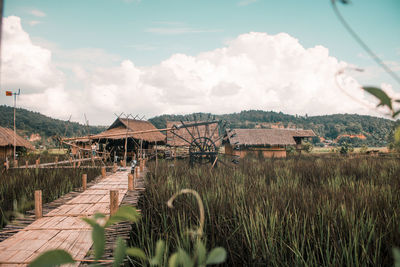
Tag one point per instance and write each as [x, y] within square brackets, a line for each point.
[202, 150]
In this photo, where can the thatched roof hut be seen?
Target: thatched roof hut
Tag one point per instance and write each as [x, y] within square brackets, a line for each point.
[122, 128]
[208, 130]
[7, 142]
[7, 139]
[267, 137]
[268, 142]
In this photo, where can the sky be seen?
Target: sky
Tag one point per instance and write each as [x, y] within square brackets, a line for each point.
[149, 57]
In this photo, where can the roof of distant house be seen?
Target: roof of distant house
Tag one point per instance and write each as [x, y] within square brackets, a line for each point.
[254, 137]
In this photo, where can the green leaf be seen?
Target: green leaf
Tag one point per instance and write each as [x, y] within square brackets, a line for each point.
[157, 259]
[381, 95]
[216, 256]
[173, 260]
[136, 252]
[184, 258]
[397, 134]
[99, 216]
[91, 222]
[124, 213]
[396, 113]
[52, 258]
[201, 253]
[119, 252]
[99, 241]
[396, 256]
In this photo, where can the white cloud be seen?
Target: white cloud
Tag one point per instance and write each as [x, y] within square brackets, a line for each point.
[253, 71]
[25, 64]
[37, 13]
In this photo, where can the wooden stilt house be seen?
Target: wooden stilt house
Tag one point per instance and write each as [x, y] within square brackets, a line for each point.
[128, 138]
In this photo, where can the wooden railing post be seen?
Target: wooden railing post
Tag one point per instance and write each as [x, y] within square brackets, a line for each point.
[56, 160]
[26, 164]
[38, 204]
[84, 181]
[141, 165]
[16, 163]
[115, 167]
[103, 171]
[113, 201]
[131, 185]
[37, 164]
[136, 172]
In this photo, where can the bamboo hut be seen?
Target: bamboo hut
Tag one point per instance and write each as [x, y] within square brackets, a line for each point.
[7, 143]
[121, 140]
[264, 142]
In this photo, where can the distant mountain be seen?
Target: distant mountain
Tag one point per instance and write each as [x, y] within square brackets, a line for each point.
[33, 123]
[377, 131]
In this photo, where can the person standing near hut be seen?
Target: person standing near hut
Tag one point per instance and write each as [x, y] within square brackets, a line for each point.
[94, 149]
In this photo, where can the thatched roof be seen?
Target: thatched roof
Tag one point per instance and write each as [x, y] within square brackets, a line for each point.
[203, 130]
[7, 139]
[122, 128]
[259, 137]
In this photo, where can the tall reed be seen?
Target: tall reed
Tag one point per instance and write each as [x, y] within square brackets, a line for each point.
[283, 212]
[17, 187]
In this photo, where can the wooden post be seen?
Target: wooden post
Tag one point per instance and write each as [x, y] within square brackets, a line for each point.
[26, 164]
[7, 164]
[37, 164]
[84, 181]
[113, 201]
[141, 148]
[115, 167]
[141, 165]
[56, 160]
[74, 164]
[39, 160]
[126, 148]
[38, 204]
[79, 163]
[103, 171]
[131, 185]
[174, 156]
[15, 163]
[136, 172]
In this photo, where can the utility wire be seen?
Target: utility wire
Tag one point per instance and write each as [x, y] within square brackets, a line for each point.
[361, 42]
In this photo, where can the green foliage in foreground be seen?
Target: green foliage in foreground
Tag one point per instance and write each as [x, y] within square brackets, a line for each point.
[99, 223]
[281, 212]
[17, 187]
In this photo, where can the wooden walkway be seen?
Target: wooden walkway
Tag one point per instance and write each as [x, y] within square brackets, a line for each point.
[63, 227]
